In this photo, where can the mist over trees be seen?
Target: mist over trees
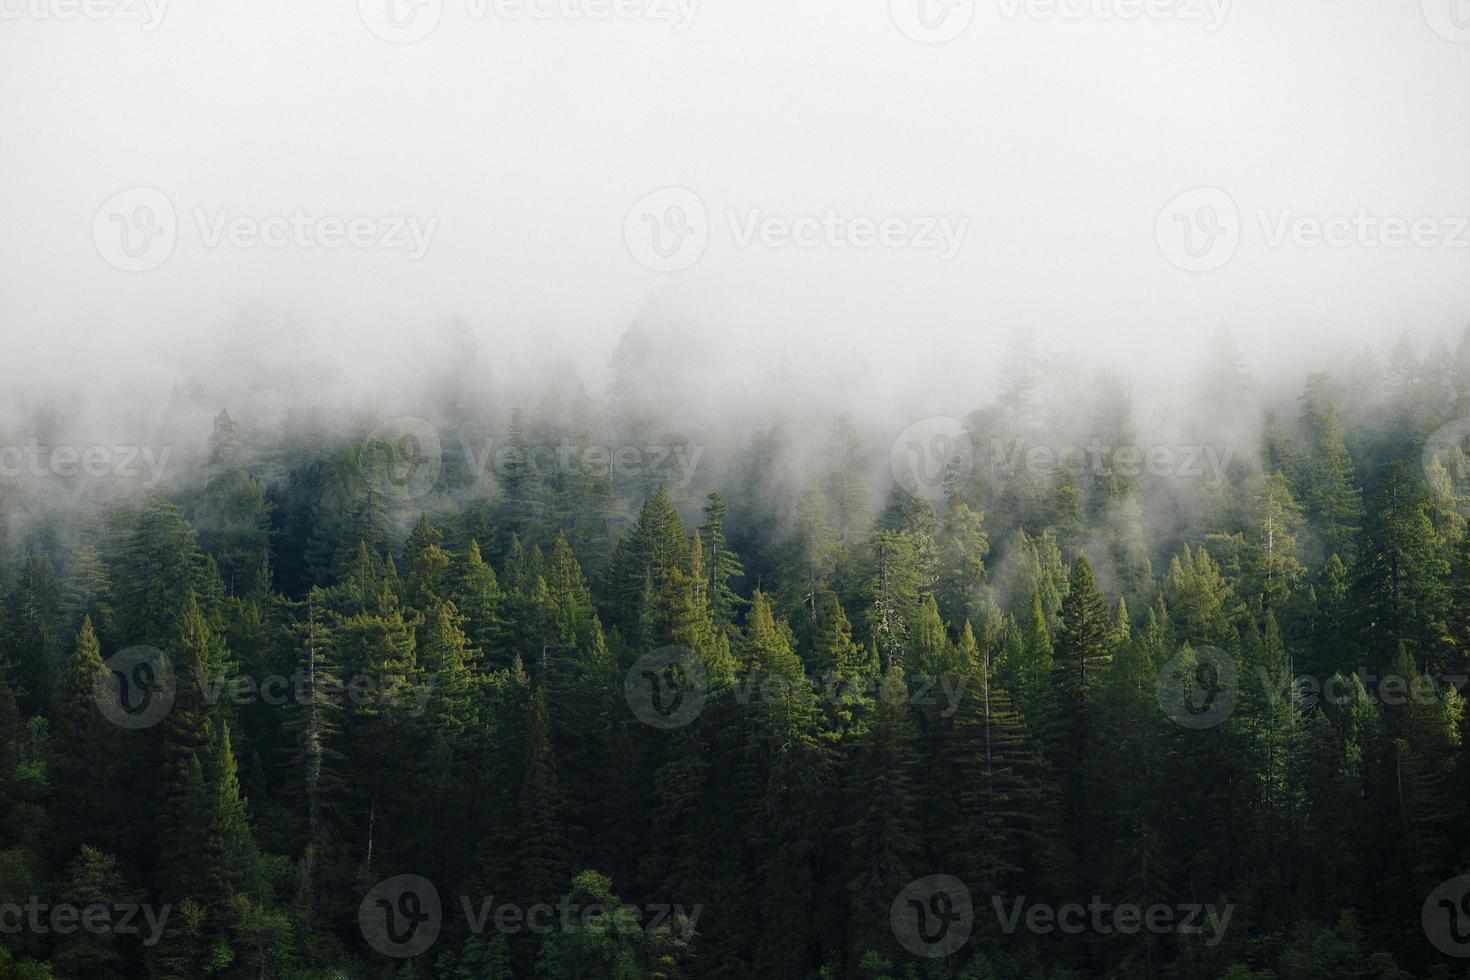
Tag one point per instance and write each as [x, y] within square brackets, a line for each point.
[416, 641]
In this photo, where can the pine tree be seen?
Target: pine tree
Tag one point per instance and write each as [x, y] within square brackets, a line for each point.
[84, 767]
[784, 767]
[1274, 565]
[183, 791]
[880, 793]
[540, 850]
[1326, 482]
[348, 514]
[476, 593]
[1082, 651]
[232, 517]
[1424, 727]
[520, 504]
[894, 577]
[1032, 674]
[844, 487]
[962, 547]
[1000, 776]
[814, 553]
[1272, 708]
[848, 675]
[314, 760]
[229, 862]
[1398, 581]
[159, 563]
[722, 563]
[653, 551]
[427, 565]
[87, 589]
[32, 630]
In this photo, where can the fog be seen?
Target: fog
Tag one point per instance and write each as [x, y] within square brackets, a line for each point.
[502, 162]
[527, 141]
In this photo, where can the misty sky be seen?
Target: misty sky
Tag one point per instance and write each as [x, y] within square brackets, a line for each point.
[526, 142]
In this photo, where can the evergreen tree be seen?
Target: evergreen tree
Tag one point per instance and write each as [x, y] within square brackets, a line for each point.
[540, 844]
[722, 563]
[1083, 649]
[1326, 481]
[84, 767]
[883, 834]
[1398, 581]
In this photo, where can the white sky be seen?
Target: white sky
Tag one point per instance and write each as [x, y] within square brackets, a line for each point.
[529, 141]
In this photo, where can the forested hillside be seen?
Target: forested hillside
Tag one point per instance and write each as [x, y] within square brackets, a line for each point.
[578, 689]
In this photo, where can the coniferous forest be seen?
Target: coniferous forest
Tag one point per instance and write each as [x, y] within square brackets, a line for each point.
[585, 687]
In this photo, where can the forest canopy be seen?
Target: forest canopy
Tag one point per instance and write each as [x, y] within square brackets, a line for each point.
[590, 686]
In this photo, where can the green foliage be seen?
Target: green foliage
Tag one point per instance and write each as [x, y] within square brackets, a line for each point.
[968, 688]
